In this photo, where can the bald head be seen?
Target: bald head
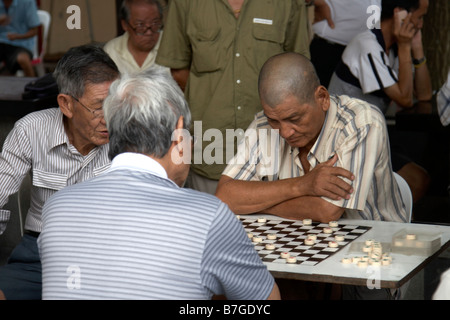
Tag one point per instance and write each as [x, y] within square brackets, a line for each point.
[287, 74]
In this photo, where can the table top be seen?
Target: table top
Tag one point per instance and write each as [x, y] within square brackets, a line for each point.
[332, 270]
[11, 101]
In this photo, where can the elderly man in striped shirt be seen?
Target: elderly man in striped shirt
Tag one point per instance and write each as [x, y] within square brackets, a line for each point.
[134, 232]
[309, 155]
[60, 147]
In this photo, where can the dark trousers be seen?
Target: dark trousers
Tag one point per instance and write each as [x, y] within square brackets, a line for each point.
[21, 277]
[325, 56]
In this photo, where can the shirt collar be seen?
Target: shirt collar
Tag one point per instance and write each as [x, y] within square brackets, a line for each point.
[318, 149]
[138, 162]
[59, 135]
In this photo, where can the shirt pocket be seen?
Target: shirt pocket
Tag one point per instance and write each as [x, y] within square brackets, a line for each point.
[266, 30]
[207, 50]
[268, 39]
[49, 180]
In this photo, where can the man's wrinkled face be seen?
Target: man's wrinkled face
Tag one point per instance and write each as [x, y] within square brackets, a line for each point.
[299, 124]
[145, 17]
[89, 123]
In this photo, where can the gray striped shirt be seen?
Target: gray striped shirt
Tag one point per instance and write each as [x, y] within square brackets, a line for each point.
[356, 132]
[133, 234]
[39, 143]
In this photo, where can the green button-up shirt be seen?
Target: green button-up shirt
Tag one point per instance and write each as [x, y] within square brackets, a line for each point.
[225, 55]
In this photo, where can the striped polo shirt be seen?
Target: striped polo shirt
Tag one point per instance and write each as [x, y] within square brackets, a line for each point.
[39, 144]
[132, 233]
[355, 131]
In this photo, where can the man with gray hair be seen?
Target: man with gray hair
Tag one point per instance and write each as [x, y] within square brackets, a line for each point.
[59, 147]
[136, 49]
[134, 232]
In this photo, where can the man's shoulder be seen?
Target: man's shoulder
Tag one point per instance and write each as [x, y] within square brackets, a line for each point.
[363, 42]
[39, 117]
[358, 112]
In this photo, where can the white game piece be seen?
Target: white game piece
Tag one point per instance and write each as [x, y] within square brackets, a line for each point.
[238, 217]
[375, 262]
[386, 262]
[339, 238]
[362, 263]
[284, 255]
[262, 220]
[307, 222]
[333, 244]
[311, 237]
[291, 259]
[411, 237]
[250, 235]
[355, 260]
[257, 239]
[346, 260]
[271, 236]
[367, 249]
[365, 258]
[369, 242]
[327, 230]
[309, 241]
[375, 255]
[386, 256]
[333, 224]
[270, 246]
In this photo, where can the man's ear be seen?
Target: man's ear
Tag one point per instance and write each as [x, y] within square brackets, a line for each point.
[66, 106]
[179, 135]
[181, 143]
[322, 98]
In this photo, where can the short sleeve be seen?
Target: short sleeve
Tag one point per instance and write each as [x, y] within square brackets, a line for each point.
[32, 15]
[369, 63]
[175, 49]
[230, 265]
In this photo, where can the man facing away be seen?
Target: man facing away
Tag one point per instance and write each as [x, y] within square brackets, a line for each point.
[134, 233]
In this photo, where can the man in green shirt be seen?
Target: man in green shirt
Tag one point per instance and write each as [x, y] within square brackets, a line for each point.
[215, 49]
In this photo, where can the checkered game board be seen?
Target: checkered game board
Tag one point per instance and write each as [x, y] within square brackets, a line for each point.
[291, 237]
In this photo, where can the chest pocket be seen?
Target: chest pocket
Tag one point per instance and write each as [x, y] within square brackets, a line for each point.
[49, 180]
[268, 40]
[204, 34]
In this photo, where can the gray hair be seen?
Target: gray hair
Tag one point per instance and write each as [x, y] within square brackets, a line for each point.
[87, 64]
[126, 4]
[142, 111]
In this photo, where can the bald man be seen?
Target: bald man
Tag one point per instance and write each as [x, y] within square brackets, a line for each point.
[311, 155]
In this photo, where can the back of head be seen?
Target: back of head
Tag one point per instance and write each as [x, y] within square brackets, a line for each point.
[388, 6]
[87, 64]
[287, 74]
[142, 111]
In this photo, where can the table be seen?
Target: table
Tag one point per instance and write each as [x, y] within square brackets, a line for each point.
[11, 101]
[331, 270]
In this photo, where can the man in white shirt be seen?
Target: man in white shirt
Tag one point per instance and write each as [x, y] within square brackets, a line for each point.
[377, 66]
[136, 49]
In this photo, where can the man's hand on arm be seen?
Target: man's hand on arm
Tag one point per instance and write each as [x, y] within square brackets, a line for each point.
[246, 197]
